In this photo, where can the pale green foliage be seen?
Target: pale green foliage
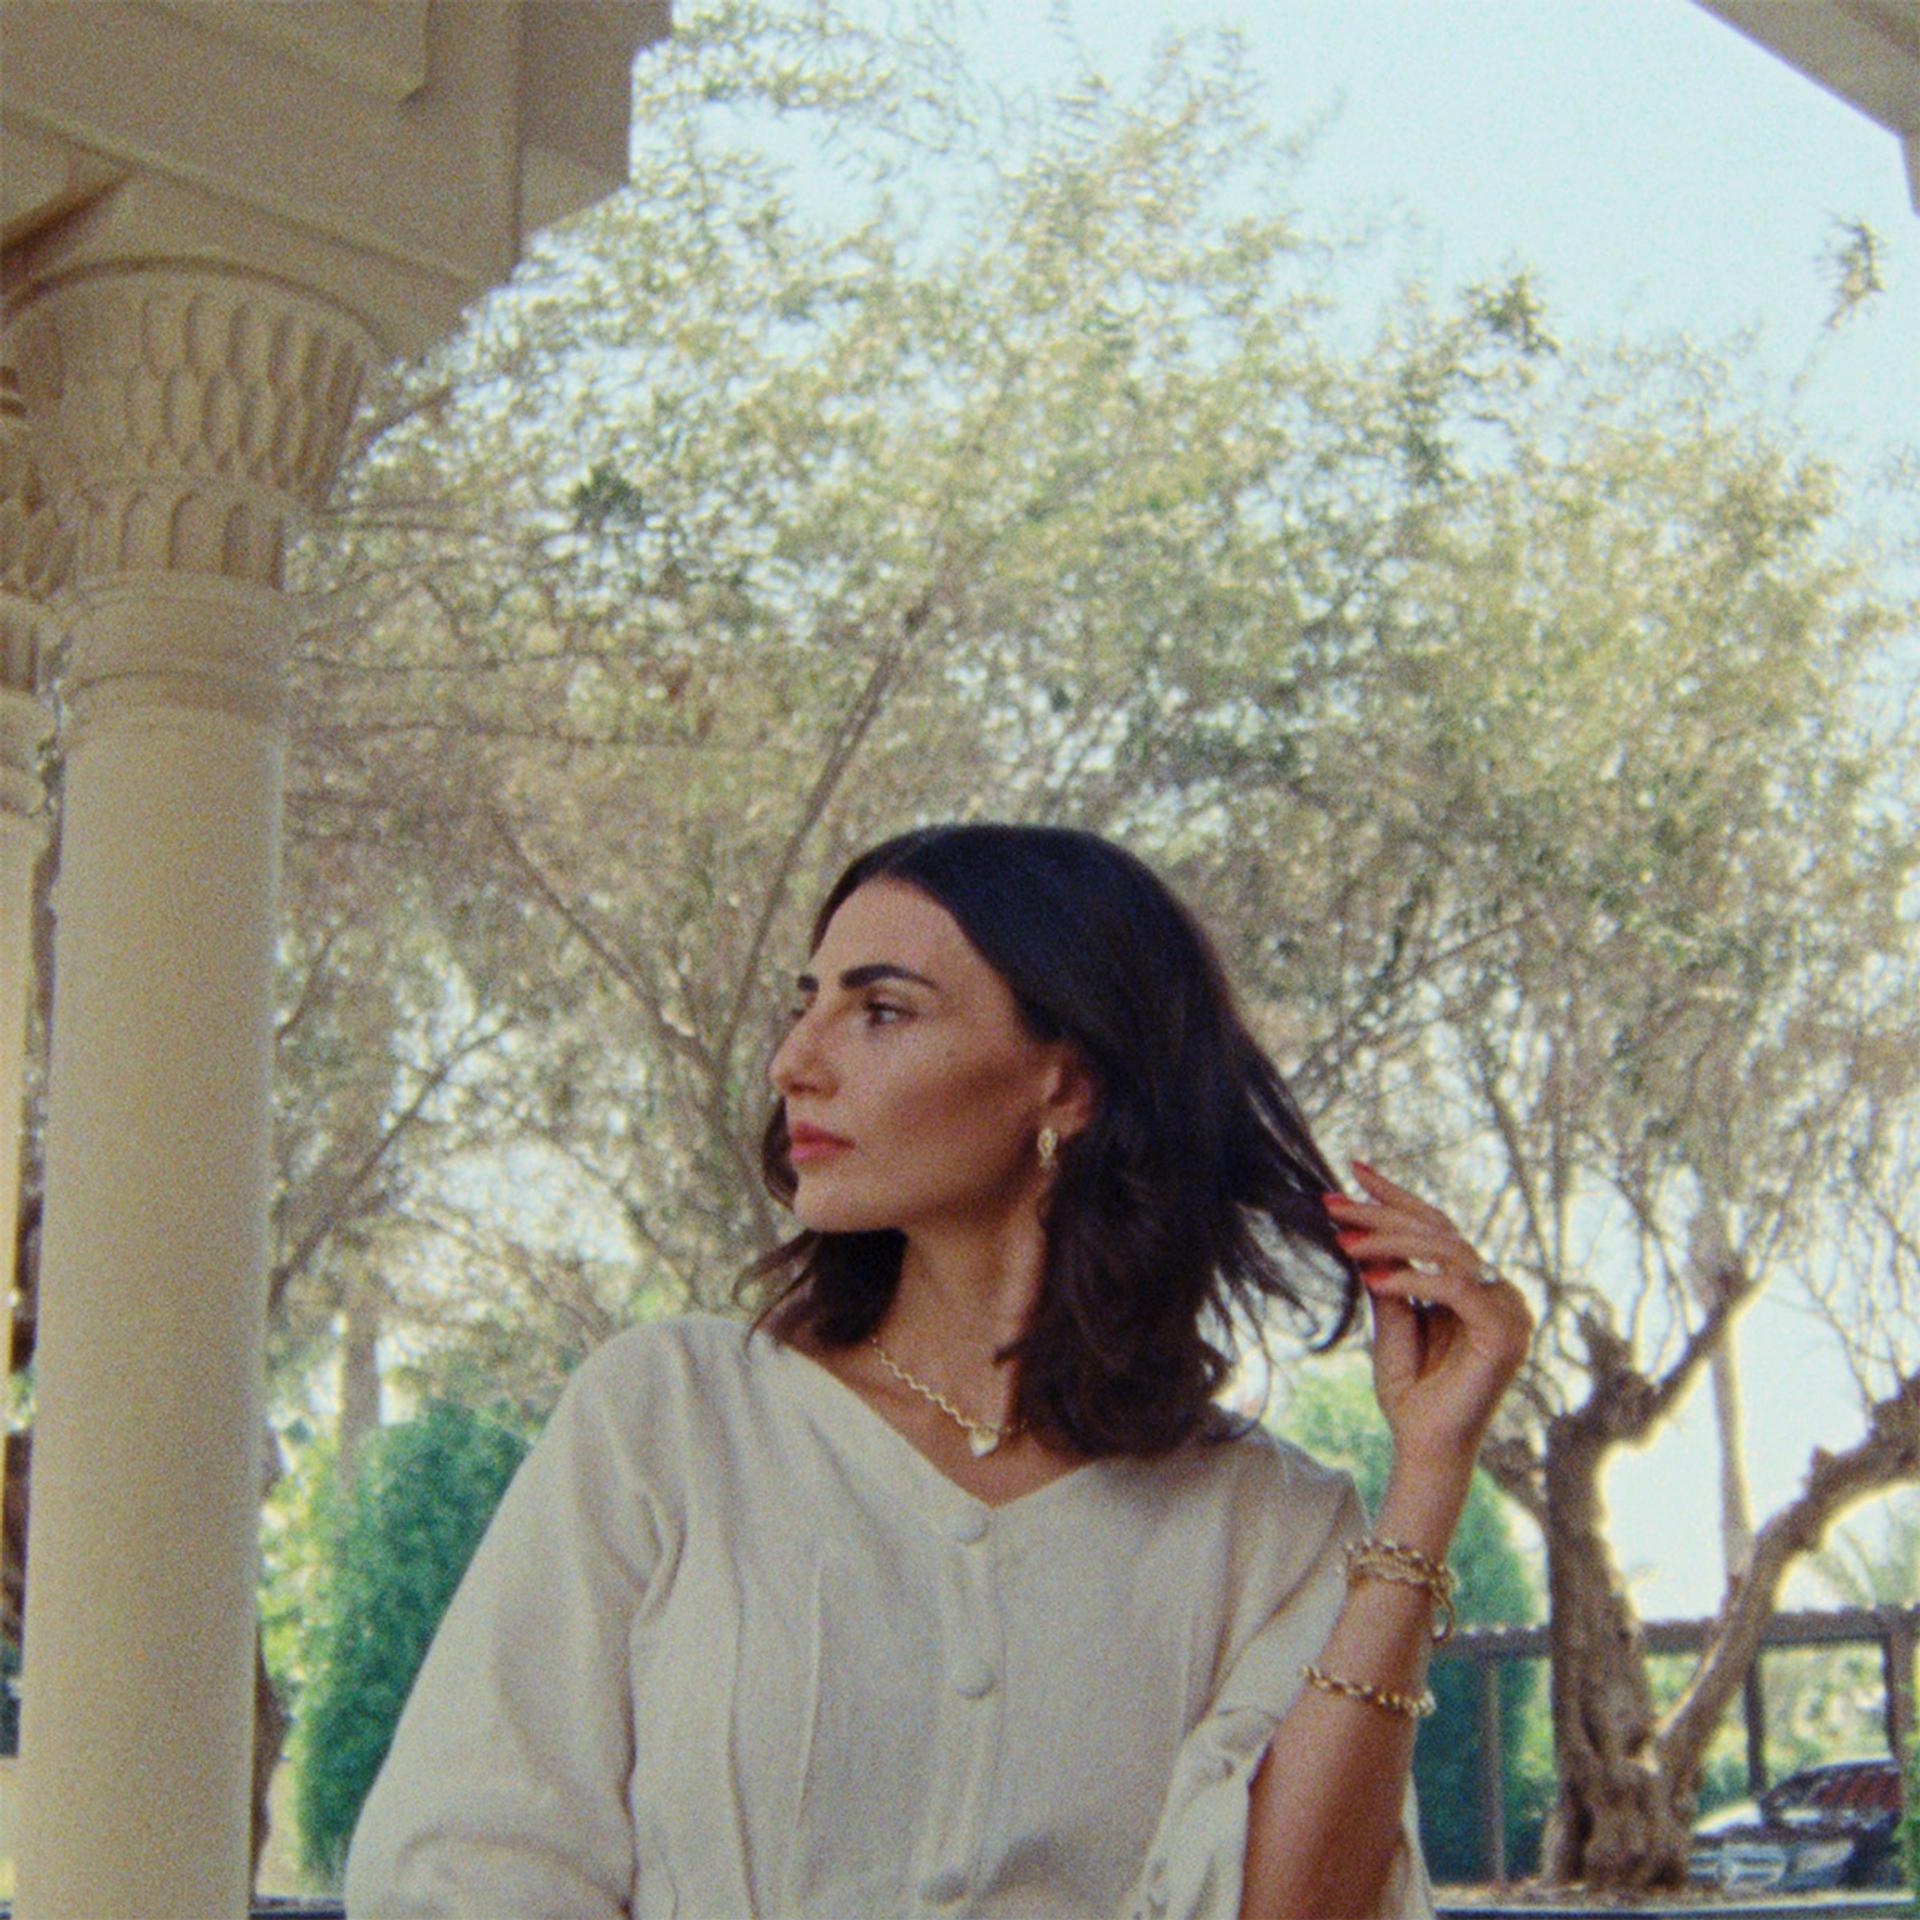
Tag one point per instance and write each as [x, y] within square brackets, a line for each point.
[724, 535]
[1827, 1701]
[296, 1525]
[1865, 1572]
[1852, 260]
[1492, 696]
[1526, 714]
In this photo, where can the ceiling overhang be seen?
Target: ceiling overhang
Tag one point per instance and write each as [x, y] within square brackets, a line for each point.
[393, 155]
[1865, 51]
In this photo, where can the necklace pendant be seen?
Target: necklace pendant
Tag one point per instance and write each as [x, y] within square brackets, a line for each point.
[982, 1443]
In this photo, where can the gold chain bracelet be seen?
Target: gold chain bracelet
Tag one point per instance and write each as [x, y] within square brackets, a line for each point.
[1390, 1560]
[1408, 1706]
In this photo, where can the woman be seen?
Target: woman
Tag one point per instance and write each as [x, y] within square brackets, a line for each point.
[955, 1592]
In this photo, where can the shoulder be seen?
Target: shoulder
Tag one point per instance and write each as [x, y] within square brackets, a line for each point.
[650, 1404]
[1270, 1491]
[659, 1372]
[1258, 1460]
[676, 1343]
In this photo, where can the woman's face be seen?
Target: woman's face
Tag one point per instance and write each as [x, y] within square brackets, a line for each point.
[908, 1050]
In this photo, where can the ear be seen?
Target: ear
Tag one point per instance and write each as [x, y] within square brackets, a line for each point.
[1071, 1095]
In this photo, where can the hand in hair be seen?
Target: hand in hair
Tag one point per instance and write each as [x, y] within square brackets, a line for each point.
[1447, 1335]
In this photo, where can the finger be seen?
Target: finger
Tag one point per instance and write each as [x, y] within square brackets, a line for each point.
[1381, 1188]
[1430, 1282]
[1382, 1216]
[1399, 1342]
[1346, 1206]
[1495, 1317]
[1399, 1243]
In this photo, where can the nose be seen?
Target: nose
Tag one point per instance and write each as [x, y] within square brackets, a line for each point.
[798, 1065]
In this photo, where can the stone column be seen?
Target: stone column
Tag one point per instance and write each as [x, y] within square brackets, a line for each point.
[186, 413]
[35, 556]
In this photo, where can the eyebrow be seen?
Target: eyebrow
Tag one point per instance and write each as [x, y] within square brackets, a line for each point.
[856, 977]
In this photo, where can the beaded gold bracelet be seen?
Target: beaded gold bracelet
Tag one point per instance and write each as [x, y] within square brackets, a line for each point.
[1389, 1560]
[1408, 1705]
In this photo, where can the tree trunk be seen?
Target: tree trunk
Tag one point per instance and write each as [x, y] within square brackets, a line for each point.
[13, 1534]
[269, 1737]
[1615, 1822]
[1736, 1507]
[359, 1375]
[1714, 1273]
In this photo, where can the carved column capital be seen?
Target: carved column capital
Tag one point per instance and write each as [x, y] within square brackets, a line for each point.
[188, 412]
[185, 415]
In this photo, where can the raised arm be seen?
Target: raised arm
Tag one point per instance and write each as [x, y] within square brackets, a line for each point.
[1327, 1800]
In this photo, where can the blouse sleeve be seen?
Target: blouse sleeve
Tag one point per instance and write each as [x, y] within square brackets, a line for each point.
[504, 1792]
[1194, 1865]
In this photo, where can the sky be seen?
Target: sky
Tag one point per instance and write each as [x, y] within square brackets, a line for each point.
[1655, 168]
[1656, 172]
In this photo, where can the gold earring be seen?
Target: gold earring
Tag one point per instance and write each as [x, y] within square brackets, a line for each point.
[1049, 1147]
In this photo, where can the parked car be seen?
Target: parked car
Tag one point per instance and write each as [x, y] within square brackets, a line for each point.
[1834, 1825]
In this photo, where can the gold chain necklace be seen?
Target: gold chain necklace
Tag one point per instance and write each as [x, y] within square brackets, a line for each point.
[982, 1435]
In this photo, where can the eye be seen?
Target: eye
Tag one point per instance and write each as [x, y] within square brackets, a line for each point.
[877, 1008]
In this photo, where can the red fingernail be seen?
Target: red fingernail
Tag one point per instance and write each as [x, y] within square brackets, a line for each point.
[1347, 1235]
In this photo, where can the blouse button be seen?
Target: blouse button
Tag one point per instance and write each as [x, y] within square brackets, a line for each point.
[972, 1679]
[968, 1525]
[944, 1887]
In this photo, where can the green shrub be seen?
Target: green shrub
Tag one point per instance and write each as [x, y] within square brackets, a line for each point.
[1910, 1825]
[422, 1499]
[1723, 1772]
[9, 1697]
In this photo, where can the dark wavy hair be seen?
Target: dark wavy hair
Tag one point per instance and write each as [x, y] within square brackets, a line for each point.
[1194, 1192]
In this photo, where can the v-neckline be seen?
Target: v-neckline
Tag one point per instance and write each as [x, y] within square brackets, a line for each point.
[837, 1391]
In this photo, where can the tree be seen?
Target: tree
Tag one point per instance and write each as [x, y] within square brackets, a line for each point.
[1718, 1040]
[1330, 1410]
[1676, 1008]
[424, 1496]
[1526, 717]
[709, 615]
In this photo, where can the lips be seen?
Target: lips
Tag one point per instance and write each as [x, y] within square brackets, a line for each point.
[813, 1143]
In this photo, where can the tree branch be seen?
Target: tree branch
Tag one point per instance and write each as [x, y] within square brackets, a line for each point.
[1623, 1405]
[677, 1039]
[1887, 1453]
[288, 1270]
[853, 730]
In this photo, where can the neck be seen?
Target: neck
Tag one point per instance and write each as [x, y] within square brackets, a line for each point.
[958, 1300]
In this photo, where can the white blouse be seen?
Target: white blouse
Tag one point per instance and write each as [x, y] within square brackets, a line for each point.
[734, 1649]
